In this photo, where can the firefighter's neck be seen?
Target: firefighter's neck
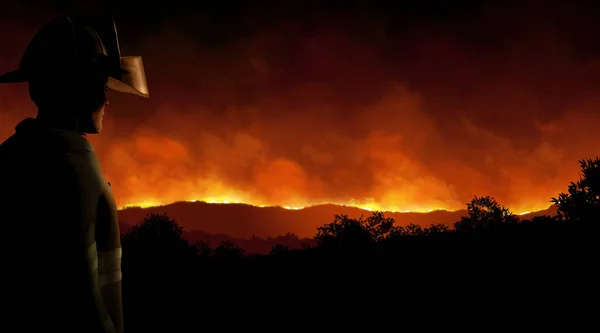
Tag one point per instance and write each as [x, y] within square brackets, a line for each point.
[60, 119]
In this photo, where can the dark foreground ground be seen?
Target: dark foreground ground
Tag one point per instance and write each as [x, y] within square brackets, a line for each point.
[541, 272]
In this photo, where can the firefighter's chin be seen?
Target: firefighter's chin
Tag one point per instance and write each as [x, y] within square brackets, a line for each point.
[93, 123]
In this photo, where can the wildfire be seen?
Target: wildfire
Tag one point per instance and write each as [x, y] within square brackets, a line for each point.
[250, 131]
[366, 207]
[368, 204]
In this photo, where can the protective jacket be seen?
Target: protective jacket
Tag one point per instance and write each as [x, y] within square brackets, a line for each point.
[61, 237]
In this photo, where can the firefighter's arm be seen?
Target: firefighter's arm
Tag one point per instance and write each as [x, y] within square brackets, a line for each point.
[109, 258]
[77, 213]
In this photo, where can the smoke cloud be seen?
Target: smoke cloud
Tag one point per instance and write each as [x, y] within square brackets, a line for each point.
[350, 111]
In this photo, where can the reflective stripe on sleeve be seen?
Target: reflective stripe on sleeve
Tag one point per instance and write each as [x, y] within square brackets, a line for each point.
[106, 279]
[108, 325]
[110, 261]
[92, 255]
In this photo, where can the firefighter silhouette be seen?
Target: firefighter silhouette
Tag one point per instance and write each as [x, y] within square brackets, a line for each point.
[61, 251]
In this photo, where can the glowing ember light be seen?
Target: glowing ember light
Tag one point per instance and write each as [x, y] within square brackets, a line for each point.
[368, 207]
[371, 206]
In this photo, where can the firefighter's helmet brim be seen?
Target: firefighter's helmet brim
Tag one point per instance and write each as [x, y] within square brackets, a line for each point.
[133, 78]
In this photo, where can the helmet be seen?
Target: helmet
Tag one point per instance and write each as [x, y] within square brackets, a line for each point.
[68, 42]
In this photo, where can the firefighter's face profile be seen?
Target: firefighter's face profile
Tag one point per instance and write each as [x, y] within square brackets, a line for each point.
[93, 114]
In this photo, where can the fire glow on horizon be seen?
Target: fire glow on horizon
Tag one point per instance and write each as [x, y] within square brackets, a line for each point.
[366, 207]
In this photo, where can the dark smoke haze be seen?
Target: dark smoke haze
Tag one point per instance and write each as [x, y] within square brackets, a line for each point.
[413, 114]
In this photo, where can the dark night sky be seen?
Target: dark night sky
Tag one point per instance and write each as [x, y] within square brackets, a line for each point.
[414, 105]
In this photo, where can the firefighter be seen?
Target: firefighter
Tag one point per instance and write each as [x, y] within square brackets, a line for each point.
[59, 233]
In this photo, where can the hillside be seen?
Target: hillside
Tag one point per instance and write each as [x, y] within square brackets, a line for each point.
[245, 221]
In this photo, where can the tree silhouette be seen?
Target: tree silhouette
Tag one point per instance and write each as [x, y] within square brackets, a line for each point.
[543, 219]
[279, 249]
[342, 231]
[414, 229]
[410, 229]
[485, 212]
[347, 231]
[379, 226]
[157, 236]
[203, 249]
[582, 200]
[435, 229]
[229, 249]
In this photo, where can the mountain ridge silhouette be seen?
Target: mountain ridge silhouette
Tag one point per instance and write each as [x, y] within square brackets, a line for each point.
[244, 221]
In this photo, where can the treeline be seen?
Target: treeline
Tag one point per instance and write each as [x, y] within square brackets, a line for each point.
[164, 274]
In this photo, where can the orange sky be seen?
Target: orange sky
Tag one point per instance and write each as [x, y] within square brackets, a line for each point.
[295, 113]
